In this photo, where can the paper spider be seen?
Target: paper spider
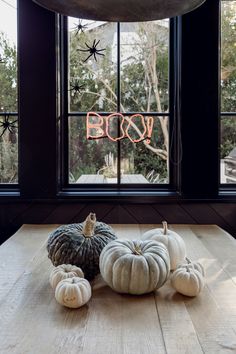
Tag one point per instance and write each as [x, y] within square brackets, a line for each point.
[76, 87]
[79, 27]
[92, 50]
[7, 125]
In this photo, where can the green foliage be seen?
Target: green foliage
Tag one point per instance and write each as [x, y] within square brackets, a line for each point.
[8, 103]
[228, 75]
[138, 93]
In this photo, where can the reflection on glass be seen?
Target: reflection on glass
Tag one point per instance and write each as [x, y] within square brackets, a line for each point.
[90, 161]
[144, 66]
[228, 56]
[228, 150]
[95, 75]
[8, 92]
[142, 162]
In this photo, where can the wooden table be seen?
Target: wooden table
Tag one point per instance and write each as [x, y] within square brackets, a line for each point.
[31, 322]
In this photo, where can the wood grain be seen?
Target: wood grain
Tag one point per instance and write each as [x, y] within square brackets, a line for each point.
[32, 322]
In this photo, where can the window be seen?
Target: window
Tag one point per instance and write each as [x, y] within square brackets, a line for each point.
[228, 92]
[8, 93]
[129, 75]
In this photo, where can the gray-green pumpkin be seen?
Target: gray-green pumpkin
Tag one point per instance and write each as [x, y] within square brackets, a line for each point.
[80, 244]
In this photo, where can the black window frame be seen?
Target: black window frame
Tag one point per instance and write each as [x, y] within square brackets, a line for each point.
[197, 80]
[65, 115]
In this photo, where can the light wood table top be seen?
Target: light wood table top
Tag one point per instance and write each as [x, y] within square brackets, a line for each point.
[32, 322]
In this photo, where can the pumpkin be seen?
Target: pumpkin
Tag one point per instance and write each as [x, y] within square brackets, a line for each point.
[189, 264]
[173, 241]
[80, 244]
[187, 281]
[135, 267]
[62, 272]
[73, 292]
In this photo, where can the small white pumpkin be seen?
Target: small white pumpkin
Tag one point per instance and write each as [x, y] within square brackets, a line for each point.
[190, 264]
[73, 292]
[135, 267]
[173, 241]
[187, 281]
[64, 271]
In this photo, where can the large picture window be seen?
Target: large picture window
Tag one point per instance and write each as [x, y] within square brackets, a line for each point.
[228, 91]
[8, 93]
[130, 75]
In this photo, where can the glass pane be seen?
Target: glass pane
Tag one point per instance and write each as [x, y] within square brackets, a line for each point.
[146, 163]
[92, 77]
[91, 161]
[228, 56]
[144, 66]
[8, 92]
[228, 150]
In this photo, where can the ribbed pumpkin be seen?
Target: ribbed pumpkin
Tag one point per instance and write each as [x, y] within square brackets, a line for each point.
[190, 264]
[64, 271]
[80, 244]
[187, 281]
[73, 292]
[173, 241]
[135, 267]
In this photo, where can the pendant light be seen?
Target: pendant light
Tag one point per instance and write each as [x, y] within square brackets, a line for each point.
[121, 10]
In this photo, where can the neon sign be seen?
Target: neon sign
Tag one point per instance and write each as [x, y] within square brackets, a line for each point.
[100, 128]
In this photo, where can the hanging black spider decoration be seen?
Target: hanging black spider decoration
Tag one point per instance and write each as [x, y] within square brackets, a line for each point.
[92, 50]
[76, 87]
[79, 28]
[6, 124]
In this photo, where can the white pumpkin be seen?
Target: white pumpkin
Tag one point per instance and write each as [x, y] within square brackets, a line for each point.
[73, 292]
[64, 271]
[195, 265]
[187, 281]
[173, 241]
[135, 267]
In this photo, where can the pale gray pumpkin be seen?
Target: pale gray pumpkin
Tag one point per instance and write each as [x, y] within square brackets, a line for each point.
[195, 265]
[173, 241]
[64, 271]
[187, 281]
[80, 244]
[73, 292]
[135, 267]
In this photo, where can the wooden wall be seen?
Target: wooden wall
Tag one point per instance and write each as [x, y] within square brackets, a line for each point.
[13, 215]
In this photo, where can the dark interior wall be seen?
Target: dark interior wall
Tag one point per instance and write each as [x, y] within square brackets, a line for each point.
[13, 215]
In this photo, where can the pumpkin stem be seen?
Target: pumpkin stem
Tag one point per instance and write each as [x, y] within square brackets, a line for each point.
[165, 228]
[188, 260]
[137, 249]
[89, 225]
[73, 280]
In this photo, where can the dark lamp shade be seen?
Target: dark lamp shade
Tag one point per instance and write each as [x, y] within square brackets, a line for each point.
[121, 10]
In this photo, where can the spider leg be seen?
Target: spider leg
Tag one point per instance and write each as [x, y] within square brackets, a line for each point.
[88, 57]
[100, 50]
[3, 132]
[94, 45]
[87, 45]
[14, 121]
[10, 129]
[97, 42]
[94, 54]
[84, 50]
[100, 54]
